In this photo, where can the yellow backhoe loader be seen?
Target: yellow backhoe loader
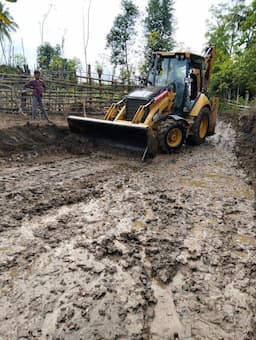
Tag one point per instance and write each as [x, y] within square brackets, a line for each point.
[172, 108]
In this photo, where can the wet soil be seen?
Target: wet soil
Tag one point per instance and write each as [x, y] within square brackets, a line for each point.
[95, 244]
[245, 127]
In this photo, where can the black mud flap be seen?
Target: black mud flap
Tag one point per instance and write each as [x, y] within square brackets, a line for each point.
[125, 136]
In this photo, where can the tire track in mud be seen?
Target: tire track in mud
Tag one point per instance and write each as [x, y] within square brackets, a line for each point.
[42, 238]
[124, 246]
[41, 188]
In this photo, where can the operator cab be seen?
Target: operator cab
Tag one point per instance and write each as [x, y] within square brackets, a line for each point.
[181, 71]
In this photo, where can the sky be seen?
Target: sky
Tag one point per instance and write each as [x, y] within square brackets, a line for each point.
[54, 20]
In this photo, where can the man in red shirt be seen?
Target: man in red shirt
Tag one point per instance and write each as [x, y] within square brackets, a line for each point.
[38, 87]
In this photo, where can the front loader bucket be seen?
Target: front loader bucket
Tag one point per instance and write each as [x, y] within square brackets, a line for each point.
[116, 133]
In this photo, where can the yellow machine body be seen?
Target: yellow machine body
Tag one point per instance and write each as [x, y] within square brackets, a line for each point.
[171, 109]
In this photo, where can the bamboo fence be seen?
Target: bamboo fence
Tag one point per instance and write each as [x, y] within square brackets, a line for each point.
[236, 106]
[84, 96]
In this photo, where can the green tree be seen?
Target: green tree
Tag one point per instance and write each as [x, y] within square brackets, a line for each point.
[159, 26]
[246, 68]
[50, 60]
[5, 19]
[63, 68]
[120, 37]
[248, 26]
[45, 54]
[233, 30]
[7, 25]
[226, 25]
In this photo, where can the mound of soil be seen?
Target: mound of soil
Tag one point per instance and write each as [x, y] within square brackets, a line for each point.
[17, 142]
[27, 137]
[246, 143]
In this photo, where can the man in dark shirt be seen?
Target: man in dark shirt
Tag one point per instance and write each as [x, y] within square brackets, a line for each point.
[38, 87]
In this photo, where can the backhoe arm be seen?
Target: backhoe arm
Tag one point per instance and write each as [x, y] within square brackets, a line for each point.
[209, 56]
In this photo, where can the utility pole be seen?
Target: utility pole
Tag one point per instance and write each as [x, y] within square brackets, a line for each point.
[86, 38]
[23, 50]
[43, 22]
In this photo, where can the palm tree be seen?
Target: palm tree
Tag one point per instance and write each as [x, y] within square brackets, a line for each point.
[7, 25]
[3, 16]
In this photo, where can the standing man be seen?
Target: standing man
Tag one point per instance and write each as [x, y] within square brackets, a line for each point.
[38, 87]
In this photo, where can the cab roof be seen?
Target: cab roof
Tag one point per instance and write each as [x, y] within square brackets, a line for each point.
[186, 54]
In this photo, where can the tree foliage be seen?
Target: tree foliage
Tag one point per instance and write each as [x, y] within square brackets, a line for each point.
[50, 60]
[46, 53]
[5, 19]
[159, 26]
[120, 37]
[232, 28]
[7, 24]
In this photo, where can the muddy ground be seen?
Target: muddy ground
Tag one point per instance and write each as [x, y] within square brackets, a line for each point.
[245, 127]
[95, 244]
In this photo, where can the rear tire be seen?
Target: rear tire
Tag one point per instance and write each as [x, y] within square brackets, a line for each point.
[199, 128]
[171, 136]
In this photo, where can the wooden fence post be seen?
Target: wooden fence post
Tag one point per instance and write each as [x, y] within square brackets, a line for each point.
[90, 86]
[237, 95]
[247, 97]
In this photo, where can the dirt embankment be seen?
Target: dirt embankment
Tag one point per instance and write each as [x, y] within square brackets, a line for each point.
[97, 245]
[33, 141]
[244, 124]
[246, 143]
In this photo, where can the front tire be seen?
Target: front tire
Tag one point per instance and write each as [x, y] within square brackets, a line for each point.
[199, 128]
[171, 136]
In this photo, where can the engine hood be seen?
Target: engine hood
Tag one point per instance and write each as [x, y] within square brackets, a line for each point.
[146, 93]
